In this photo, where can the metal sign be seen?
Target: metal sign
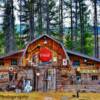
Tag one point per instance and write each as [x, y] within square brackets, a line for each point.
[4, 76]
[64, 62]
[45, 55]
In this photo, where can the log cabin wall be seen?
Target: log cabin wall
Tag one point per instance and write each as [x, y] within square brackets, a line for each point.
[11, 60]
[89, 69]
[8, 63]
[84, 62]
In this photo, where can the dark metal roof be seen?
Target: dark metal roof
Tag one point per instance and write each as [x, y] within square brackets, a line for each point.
[82, 55]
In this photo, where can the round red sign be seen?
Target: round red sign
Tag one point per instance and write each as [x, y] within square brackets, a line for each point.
[45, 54]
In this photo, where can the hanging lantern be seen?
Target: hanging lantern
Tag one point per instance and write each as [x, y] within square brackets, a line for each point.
[45, 54]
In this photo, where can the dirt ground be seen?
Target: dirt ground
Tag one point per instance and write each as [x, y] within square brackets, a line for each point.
[48, 96]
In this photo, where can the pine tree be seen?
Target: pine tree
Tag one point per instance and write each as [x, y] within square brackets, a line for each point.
[81, 12]
[10, 45]
[61, 2]
[48, 19]
[40, 17]
[79, 18]
[76, 24]
[31, 19]
[96, 30]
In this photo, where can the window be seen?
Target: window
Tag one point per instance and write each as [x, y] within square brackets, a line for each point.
[76, 63]
[90, 64]
[1, 62]
[94, 77]
[14, 62]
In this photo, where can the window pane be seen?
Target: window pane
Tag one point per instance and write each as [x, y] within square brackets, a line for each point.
[1, 62]
[76, 63]
[13, 62]
[94, 77]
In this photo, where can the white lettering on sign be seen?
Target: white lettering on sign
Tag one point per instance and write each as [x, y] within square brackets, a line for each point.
[4, 75]
[44, 55]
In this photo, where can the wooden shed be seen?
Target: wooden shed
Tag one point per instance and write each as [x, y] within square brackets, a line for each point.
[49, 66]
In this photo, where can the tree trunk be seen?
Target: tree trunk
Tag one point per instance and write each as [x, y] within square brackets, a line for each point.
[61, 19]
[40, 28]
[96, 30]
[48, 21]
[81, 25]
[31, 20]
[10, 45]
[71, 8]
[76, 19]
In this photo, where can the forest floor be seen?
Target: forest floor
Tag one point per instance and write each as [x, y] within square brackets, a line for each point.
[48, 96]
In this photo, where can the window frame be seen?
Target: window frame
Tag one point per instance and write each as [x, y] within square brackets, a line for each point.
[13, 62]
[1, 62]
[76, 64]
[94, 77]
